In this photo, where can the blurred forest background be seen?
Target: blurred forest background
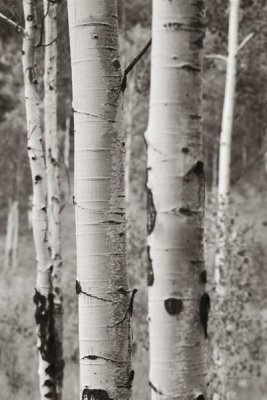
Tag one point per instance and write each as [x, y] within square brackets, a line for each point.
[247, 303]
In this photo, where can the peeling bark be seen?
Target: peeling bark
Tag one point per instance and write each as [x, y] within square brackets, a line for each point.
[105, 300]
[43, 296]
[53, 179]
[175, 188]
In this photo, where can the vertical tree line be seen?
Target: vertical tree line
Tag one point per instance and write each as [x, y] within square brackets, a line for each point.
[43, 297]
[175, 191]
[105, 300]
[53, 178]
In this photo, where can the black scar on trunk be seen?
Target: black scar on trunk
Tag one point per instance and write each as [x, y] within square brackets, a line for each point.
[96, 394]
[200, 397]
[151, 212]
[204, 309]
[49, 342]
[173, 306]
[78, 288]
[203, 276]
[150, 272]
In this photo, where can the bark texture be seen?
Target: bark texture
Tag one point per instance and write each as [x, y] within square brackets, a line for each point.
[105, 300]
[53, 178]
[43, 297]
[178, 304]
[223, 229]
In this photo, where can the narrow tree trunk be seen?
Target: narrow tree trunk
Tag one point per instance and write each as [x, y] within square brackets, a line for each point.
[214, 170]
[105, 301]
[221, 262]
[11, 250]
[175, 188]
[53, 179]
[43, 293]
[67, 144]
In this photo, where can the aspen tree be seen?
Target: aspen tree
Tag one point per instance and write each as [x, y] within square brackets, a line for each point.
[105, 300]
[223, 203]
[67, 144]
[53, 178]
[178, 304]
[43, 293]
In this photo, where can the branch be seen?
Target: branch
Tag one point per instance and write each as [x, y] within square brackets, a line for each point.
[216, 57]
[245, 41]
[42, 26]
[54, 40]
[15, 25]
[133, 63]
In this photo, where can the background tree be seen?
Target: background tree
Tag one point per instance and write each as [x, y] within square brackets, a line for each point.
[43, 297]
[221, 258]
[52, 155]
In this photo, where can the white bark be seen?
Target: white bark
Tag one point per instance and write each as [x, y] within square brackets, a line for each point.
[214, 184]
[43, 294]
[175, 186]
[11, 250]
[105, 301]
[223, 202]
[53, 178]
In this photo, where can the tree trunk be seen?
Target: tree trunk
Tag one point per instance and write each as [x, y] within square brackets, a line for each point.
[11, 250]
[67, 144]
[43, 293]
[214, 183]
[221, 258]
[53, 178]
[105, 301]
[178, 303]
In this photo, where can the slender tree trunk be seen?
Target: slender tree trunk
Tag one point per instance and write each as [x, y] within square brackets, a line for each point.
[43, 293]
[214, 170]
[221, 258]
[105, 301]
[67, 144]
[175, 188]
[11, 250]
[53, 179]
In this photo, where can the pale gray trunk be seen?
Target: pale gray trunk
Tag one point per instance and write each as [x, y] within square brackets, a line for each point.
[43, 297]
[105, 300]
[178, 304]
[53, 180]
